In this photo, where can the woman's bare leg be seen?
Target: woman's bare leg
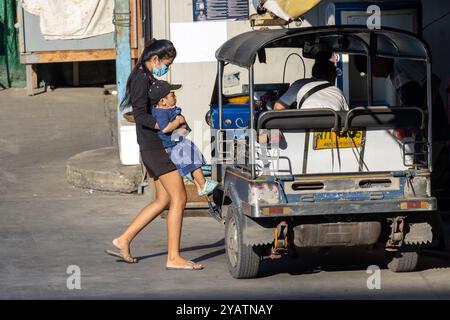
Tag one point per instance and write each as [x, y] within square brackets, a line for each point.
[174, 185]
[144, 217]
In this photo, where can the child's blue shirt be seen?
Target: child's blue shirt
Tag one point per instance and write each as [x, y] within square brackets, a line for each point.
[163, 118]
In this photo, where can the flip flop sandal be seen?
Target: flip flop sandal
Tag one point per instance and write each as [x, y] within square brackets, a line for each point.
[191, 266]
[119, 255]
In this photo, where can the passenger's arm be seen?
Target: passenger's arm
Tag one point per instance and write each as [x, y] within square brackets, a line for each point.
[289, 97]
[279, 105]
[343, 102]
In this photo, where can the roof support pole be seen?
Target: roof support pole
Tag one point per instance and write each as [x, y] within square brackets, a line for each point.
[252, 136]
[219, 167]
[371, 55]
[369, 81]
[219, 92]
[430, 117]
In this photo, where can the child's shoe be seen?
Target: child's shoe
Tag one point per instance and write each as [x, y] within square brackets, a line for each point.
[208, 188]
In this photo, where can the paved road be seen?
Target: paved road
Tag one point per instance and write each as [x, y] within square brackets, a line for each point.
[47, 226]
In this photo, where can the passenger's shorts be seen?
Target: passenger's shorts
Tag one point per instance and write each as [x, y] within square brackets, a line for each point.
[157, 162]
[186, 156]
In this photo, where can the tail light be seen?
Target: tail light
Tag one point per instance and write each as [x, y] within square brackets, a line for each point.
[403, 133]
[263, 193]
[400, 134]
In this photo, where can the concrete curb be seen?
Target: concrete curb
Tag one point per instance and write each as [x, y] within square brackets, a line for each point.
[100, 169]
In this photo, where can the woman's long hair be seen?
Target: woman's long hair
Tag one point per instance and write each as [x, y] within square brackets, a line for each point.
[163, 49]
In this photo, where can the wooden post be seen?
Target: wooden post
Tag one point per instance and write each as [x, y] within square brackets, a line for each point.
[32, 79]
[76, 73]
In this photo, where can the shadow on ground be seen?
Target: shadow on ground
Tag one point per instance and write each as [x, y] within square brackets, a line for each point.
[310, 261]
[343, 259]
[207, 256]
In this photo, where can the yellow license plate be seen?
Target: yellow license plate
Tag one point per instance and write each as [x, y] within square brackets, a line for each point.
[338, 140]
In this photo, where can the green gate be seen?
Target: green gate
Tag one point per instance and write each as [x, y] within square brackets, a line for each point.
[12, 73]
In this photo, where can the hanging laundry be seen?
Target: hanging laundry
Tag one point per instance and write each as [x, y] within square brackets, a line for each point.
[72, 19]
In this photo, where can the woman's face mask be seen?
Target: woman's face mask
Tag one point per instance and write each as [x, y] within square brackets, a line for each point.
[159, 72]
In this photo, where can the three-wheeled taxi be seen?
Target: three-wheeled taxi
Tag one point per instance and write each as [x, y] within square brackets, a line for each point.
[329, 178]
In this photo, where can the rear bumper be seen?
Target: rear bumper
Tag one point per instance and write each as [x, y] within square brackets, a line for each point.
[340, 207]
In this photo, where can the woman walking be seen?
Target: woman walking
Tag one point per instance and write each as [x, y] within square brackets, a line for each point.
[155, 60]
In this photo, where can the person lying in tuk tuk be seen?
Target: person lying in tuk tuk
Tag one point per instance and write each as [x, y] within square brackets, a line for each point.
[316, 92]
[312, 93]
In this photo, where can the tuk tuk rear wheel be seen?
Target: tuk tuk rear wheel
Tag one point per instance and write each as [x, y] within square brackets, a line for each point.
[403, 260]
[242, 260]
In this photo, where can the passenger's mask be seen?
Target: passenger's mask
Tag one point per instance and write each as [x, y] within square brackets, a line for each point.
[161, 71]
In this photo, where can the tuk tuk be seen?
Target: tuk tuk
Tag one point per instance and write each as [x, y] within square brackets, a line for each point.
[336, 178]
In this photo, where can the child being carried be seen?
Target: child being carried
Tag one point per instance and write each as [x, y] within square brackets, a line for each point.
[173, 128]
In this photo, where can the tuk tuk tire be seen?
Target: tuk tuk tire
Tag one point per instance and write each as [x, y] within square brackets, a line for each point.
[403, 260]
[247, 259]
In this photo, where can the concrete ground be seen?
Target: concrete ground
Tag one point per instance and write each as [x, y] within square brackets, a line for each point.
[46, 226]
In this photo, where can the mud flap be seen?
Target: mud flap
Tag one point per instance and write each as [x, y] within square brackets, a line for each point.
[256, 234]
[418, 233]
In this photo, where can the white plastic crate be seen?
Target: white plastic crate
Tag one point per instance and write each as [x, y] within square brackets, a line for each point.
[129, 148]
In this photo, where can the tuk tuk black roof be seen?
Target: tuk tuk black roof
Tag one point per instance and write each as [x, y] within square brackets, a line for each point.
[386, 42]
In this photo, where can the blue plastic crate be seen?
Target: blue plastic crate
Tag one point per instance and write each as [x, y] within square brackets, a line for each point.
[235, 116]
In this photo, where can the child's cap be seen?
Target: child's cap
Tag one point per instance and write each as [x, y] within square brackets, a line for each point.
[160, 88]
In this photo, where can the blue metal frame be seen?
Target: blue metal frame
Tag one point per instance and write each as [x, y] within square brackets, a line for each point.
[122, 16]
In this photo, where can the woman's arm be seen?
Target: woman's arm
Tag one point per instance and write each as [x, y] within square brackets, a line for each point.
[139, 100]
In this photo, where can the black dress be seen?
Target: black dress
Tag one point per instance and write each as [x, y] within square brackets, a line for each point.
[153, 154]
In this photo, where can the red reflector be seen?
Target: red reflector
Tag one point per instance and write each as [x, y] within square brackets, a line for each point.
[400, 134]
[413, 205]
[276, 210]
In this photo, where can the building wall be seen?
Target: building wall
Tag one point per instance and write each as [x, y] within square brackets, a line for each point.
[198, 78]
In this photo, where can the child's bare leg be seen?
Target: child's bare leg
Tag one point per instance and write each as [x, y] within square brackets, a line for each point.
[197, 174]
